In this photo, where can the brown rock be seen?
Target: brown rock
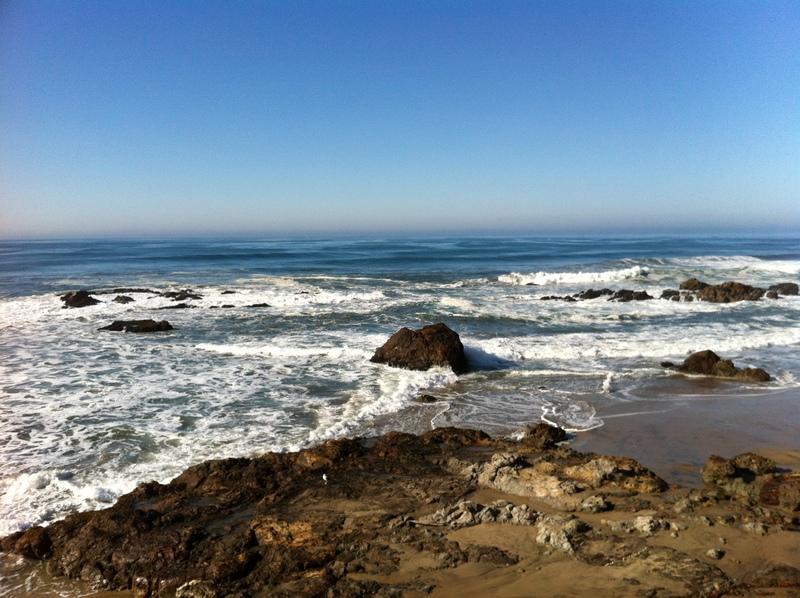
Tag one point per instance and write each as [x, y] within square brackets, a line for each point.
[435, 345]
[708, 363]
[78, 299]
[542, 437]
[702, 362]
[693, 285]
[752, 375]
[729, 292]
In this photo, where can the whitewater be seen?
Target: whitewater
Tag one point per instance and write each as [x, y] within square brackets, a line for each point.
[274, 354]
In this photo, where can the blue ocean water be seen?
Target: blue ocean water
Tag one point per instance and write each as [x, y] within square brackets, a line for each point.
[87, 414]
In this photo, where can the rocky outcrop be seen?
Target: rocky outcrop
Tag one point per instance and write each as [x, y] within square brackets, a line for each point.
[727, 292]
[621, 296]
[123, 299]
[377, 517]
[708, 363]
[435, 345]
[754, 477]
[78, 299]
[139, 326]
[182, 295]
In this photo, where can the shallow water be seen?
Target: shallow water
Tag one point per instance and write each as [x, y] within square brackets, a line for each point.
[88, 414]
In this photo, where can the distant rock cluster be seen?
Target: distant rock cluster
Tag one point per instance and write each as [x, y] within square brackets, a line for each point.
[690, 290]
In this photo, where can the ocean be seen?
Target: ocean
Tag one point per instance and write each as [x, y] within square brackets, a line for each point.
[273, 352]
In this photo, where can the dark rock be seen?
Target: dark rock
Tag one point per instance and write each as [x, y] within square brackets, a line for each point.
[626, 295]
[178, 306]
[708, 363]
[785, 288]
[138, 326]
[425, 399]
[542, 437]
[35, 543]
[123, 299]
[78, 299]
[592, 294]
[182, 295]
[229, 292]
[729, 292]
[125, 290]
[702, 362]
[435, 345]
[671, 294]
[260, 305]
[693, 285]
[752, 375]
[772, 295]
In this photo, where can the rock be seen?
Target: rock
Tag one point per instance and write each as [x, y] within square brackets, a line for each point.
[785, 288]
[592, 294]
[425, 399]
[542, 436]
[752, 375]
[138, 326]
[693, 285]
[122, 299]
[715, 553]
[670, 294]
[435, 345]
[729, 292]
[774, 575]
[78, 299]
[35, 543]
[182, 295]
[627, 295]
[702, 362]
[749, 475]
[708, 363]
[260, 305]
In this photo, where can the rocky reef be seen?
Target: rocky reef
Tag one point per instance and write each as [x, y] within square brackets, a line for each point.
[408, 515]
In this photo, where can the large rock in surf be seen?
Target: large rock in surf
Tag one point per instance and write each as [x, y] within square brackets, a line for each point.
[78, 299]
[434, 345]
[138, 326]
[785, 288]
[708, 363]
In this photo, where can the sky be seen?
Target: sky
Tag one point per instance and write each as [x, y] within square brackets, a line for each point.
[138, 117]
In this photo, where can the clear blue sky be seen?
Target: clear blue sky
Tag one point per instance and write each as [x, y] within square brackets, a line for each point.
[135, 117]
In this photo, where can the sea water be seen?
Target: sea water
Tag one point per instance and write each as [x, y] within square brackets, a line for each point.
[86, 415]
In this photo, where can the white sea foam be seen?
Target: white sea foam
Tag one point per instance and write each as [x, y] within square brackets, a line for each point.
[569, 278]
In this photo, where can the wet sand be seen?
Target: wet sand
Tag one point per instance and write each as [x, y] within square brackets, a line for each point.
[677, 425]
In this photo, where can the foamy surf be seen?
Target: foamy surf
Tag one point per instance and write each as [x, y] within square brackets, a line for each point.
[274, 354]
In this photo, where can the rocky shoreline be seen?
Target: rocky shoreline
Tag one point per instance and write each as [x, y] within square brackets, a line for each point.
[408, 515]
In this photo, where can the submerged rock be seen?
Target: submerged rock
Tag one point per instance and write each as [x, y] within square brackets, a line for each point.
[434, 345]
[78, 299]
[138, 326]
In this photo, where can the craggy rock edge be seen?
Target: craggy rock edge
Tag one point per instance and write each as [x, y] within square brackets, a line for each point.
[275, 526]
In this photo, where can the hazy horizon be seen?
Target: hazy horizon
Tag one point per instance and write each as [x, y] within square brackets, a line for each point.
[145, 119]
